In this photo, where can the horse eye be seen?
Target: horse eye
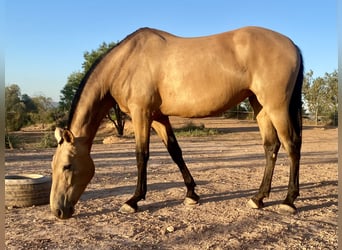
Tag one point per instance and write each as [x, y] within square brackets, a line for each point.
[67, 167]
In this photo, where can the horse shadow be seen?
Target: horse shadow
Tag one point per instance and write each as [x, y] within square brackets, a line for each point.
[331, 199]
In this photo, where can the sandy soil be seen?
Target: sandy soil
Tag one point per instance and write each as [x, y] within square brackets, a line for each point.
[227, 168]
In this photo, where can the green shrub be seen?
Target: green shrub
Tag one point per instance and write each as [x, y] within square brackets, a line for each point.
[11, 141]
[48, 141]
[191, 129]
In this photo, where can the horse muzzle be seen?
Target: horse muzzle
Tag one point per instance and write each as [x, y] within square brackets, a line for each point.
[63, 212]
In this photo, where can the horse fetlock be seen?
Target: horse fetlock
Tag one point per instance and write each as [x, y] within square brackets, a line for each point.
[192, 195]
[291, 197]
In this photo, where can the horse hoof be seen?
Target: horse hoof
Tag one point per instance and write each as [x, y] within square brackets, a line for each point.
[127, 209]
[252, 204]
[287, 209]
[190, 202]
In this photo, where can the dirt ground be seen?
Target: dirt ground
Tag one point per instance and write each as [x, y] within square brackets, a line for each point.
[228, 169]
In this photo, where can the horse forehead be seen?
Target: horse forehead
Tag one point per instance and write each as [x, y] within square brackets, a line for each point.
[64, 152]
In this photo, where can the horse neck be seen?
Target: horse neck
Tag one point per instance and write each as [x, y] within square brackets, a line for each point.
[95, 99]
[94, 103]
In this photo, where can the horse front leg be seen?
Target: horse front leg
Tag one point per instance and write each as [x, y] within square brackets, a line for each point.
[142, 127]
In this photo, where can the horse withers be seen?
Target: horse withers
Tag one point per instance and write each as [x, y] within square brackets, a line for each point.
[152, 75]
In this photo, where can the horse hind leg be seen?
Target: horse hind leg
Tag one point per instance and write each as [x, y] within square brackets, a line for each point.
[163, 128]
[290, 137]
[271, 145]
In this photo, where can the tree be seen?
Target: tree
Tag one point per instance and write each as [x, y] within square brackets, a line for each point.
[75, 78]
[320, 94]
[332, 89]
[30, 109]
[30, 106]
[91, 57]
[118, 119]
[69, 90]
[14, 108]
[44, 107]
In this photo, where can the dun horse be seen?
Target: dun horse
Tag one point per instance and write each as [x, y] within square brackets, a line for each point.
[152, 75]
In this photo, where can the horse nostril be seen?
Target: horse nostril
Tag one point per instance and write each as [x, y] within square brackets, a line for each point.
[59, 213]
[64, 214]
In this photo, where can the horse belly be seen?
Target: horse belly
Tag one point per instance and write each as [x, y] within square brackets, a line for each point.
[200, 102]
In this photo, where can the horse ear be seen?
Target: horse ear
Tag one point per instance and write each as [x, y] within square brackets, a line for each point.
[59, 135]
[68, 136]
[63, 135]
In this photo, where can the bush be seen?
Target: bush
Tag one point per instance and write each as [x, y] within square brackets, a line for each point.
[48, 141]
[11, 141]
[191, 129]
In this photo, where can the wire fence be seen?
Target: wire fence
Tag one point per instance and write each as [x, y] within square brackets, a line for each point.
[321, 120]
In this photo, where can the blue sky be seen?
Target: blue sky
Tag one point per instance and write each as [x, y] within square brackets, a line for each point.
[45, 40]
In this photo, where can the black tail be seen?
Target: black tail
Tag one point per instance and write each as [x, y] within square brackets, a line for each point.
[296, 99]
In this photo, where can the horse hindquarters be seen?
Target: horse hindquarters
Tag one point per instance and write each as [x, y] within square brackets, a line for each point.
[284, 125]
[293, 139]
[275, 130]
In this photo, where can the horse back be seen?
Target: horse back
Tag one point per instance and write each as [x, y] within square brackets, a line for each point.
[203, 76]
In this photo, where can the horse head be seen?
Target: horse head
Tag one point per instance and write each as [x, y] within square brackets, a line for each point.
[72, 170]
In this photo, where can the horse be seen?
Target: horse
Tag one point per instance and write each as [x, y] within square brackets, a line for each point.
[152, 74]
